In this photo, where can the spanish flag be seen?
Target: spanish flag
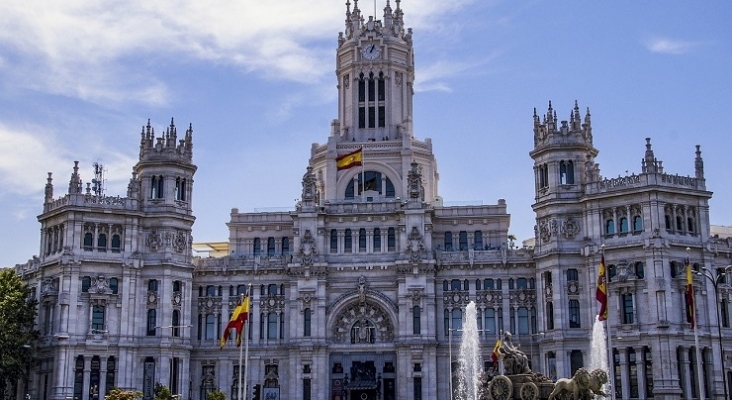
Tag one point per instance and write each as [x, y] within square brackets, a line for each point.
[689, 295]
[601, 292]
[240, 315]
[349, 160]
[496, 354]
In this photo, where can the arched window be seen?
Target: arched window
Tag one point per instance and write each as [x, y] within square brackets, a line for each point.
[391, 239]
[88, 241]
[114, 285]
[257, 246]
[572, 275]
[116, 244]
[609, 227]
[377, 239]
[690, 225]
[477, 284]
[448, 241]
[455, 285]
[478, 240]
[679, 223]
[445, 286]
[154, 187]
[348, 239]
[370, 181]
[522, 283]
[102, 242]
[176, 286]
[623, 225]
[637, 223]
[363, 331]
[362, 240]
[161, 187]
[333, 241]
[180, 189]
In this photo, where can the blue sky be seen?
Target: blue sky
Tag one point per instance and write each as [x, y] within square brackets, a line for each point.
[79, 78]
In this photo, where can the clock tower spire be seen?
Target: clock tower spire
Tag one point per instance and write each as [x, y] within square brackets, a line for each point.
[375, 69]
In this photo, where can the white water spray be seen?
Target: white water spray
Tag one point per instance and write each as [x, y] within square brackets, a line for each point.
[598, 347]
[471, 362]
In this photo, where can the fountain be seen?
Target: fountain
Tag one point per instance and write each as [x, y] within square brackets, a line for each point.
[518, 381]
[471, 361]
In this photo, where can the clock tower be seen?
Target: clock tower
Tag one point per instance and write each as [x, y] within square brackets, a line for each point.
[375, 69]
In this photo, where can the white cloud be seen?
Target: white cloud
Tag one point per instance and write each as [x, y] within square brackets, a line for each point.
[431, 77]
[669, 46]
[112, 51]
[27, 154]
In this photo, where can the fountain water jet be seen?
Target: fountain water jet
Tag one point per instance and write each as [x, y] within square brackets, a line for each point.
[471, 361]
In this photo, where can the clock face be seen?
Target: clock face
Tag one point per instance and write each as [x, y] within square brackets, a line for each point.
[371, 51]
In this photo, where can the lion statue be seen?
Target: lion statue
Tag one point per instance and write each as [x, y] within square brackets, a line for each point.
[583, 385]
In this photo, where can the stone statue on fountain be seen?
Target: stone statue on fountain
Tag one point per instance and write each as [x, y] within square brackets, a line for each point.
[515, 361]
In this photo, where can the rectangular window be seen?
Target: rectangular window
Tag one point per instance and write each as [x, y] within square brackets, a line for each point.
[151, 317]
[361, 90]
[210, 327]
[98, 318]
[417, 388]
[574, 314]
[416, 320]
[362, 117]
[372, 117]
[382, 116]
[382, 90]
[627, 308]
[372, 90]
[306, 395]
[391, 239]
[272, 326]
[307, 321]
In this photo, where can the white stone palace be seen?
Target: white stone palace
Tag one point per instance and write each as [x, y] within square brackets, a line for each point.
[359, 291]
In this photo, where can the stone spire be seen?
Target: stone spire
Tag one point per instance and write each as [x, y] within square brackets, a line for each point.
[49, 189]
[698, 164]
[75, 181]
[649, 164]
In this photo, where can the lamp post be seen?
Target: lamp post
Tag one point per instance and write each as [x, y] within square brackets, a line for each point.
[715, 282]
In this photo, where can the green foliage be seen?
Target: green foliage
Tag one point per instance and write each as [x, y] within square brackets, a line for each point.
[216, 395]
[119, 394]
[162, 392]
[17, 336]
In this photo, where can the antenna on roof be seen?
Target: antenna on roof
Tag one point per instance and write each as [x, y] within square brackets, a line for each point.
[98, 181]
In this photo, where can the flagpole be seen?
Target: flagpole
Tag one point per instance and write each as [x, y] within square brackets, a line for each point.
[246, 337]
[239, 386]
[608, 334]
[699, 375]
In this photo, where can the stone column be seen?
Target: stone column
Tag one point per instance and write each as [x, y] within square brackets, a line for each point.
[624, 372]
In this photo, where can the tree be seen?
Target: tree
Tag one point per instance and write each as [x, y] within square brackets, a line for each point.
[162, 392]
[17, 336]
[216, 395]
[119, 394]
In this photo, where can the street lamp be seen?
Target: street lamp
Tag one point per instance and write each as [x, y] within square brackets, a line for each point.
[715, 282]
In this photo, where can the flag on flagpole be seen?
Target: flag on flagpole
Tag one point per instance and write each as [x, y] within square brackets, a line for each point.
[238, 317]
[689, 295]
[601, 292]
[352, 159]
[496, 354]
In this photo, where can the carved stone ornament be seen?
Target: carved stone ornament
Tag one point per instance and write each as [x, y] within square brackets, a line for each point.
[309, 187]
[544, 231]
[179, 242]
[49, 286]
[177, 299]
[154, 241]
[570, 228]
[152, 297]
[100, 285]
[415, 245]
[365, 318]
[308, 251]
[416, 191]
[398, 79]
[416, 295]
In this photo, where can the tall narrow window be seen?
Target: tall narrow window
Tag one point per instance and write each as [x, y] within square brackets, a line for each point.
[489, 322]
[333, 241]
[306, 389]
[116, 243]
[271, 326]
[85, 284]
[102, 242]
[257, 246]
[377, 239]
[152, 285]
[151, 317]
[307, 318]
[417, 388]
[391, 239]
[372, 90]
[109, 378]
[210, 327]
[416, 320]
[457, 319]
[627, 309]
[175, 322]
[270, 246]
[97, 324]
[572, 275]
[523, 321]
[617, 371]
[463, 240]
[574, 314]
[448, 241]
[285, 246]
[549, 316]
[154, 187]
[382, 116]
[372, 116]
[637, 223]
[114, 285]
[609, 227]
[362, 240]
[648, 371]
[623, 225]
[478, 240]
[382, 87]
[348, 241]
[576, 360]
[88, 241]
[633, 373]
